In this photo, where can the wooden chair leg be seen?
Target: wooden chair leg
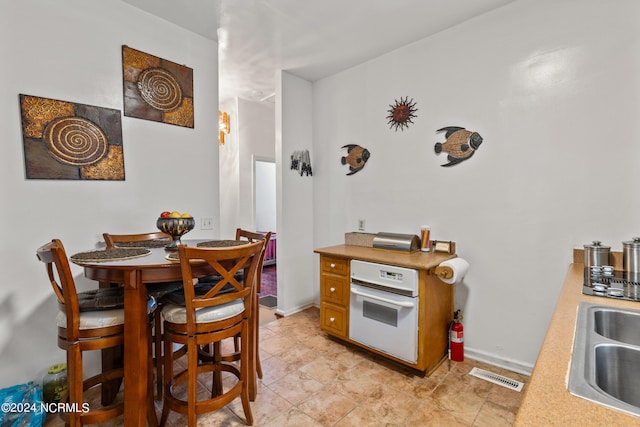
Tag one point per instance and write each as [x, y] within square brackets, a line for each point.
[245, 373]
[256, 328]
[152, 419]
[167, 376]
[192, 381]
[74, 382]
[216, 385]
[157, 342]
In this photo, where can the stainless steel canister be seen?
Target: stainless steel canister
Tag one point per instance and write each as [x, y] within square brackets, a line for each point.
[631, 255]
[596, 254]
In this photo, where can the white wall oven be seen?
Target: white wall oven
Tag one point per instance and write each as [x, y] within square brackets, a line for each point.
[384, 308]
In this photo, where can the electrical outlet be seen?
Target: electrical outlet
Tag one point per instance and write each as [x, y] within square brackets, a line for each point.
[206, 223]
[361, 225]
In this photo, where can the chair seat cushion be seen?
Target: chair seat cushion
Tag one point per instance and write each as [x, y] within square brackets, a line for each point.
[101, 318]
[177, 296]
[178, 314]
[101, 299]
[159, 290]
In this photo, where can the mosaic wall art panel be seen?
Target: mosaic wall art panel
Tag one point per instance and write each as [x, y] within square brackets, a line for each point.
[156, 89]
[67, 140]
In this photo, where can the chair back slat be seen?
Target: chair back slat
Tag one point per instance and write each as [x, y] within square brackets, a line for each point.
[54, 256]
[253, 236]
[112, 239]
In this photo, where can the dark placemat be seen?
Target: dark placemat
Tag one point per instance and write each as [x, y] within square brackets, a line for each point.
[114, 254]
[173, 256]
[222, 243]
[156, 243]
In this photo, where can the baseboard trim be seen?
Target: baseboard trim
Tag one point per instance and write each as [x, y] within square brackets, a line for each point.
[294, 310]
[500, 362]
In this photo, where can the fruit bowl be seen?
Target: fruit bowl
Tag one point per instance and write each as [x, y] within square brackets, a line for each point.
[176, 228]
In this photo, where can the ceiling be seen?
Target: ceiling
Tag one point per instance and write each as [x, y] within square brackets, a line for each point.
[310, 39]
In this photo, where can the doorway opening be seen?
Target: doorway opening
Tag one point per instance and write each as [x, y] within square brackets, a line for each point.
[265, 216]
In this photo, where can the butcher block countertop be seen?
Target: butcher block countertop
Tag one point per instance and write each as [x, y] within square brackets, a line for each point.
[547, 401]
[418, 260]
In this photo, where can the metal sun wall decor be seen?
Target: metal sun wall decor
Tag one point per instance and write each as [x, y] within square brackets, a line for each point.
[156, 89]
[356, 157]
[460, 144]
[67, 140]
[401, 113]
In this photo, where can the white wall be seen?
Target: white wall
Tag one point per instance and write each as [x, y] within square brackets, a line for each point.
[252, 136]
[229, 167]
[71, 50]
[294, 195]
[553, 88]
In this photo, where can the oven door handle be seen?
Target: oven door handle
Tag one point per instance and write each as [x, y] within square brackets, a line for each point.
[387, 300]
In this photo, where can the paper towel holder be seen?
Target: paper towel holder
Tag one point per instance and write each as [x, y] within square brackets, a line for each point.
[444, 272]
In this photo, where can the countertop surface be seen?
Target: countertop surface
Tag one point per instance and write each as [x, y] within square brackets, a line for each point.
[417, 259]
[547, 401]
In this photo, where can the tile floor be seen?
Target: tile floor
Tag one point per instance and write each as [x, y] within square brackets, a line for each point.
[312, 380]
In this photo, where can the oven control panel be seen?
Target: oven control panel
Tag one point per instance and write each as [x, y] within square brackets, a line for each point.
[390, 275]
[398, 279]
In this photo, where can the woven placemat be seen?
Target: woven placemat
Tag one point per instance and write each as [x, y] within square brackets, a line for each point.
[114, 254]
[156, 243]
[222, 243]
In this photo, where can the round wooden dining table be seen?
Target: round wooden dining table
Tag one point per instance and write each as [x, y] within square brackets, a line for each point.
[136, 275]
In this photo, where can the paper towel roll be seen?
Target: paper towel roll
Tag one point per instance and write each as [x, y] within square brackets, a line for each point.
[458, 266]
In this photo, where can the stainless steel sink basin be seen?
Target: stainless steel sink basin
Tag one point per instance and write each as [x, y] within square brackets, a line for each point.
[623, 326]
[605, 365]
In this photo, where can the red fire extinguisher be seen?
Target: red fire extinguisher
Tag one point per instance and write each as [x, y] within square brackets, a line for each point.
[456, 338]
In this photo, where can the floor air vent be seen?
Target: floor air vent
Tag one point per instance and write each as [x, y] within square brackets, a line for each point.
[497, 379]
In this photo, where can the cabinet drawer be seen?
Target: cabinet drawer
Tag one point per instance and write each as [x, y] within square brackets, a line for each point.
[334, 265]
[333, 319]
[334, 289]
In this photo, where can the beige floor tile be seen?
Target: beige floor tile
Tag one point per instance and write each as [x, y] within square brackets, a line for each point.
[492, 415]
[292, 418]
[296, 387]
[311, 380]
[323, 369]
[429, 414]
[327, 406]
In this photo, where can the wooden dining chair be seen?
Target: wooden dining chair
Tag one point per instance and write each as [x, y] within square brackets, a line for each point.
[252, 236]
[85, 324]
[207, 353]
[157, 291]
[209, 319]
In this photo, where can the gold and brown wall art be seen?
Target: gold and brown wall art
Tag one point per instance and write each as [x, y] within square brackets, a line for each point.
[157, 89]
[67, 140]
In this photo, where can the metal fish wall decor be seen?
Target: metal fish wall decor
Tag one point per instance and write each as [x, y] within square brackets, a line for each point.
[356, 158]
[460, 144]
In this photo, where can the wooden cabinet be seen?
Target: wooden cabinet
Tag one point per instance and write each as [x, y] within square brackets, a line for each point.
[334, 295]
[435, 298]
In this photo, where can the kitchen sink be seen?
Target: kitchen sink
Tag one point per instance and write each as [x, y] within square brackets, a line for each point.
[618, 325]
[605, 365]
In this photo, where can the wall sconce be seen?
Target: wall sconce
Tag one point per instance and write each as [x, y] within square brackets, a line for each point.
[223, 123]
